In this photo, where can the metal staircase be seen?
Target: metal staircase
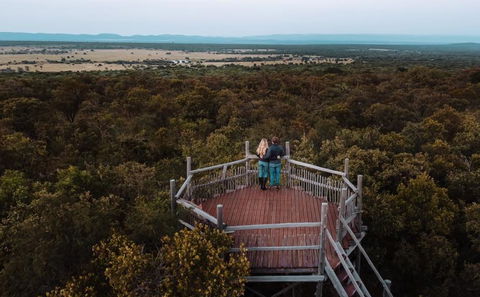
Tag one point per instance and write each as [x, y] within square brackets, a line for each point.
[345, 278]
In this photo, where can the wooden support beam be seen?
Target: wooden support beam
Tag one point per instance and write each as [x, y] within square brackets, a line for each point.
[322, 260]
[358, 260]
[189, 173]
[224, 172]
[183, 187]
[254, 292]
[189, 165]
[220, 216]
[186, 224]
[173, 200]
[346, 167]
[272, 226]
[277, 248]
[286, 289]
[359, 200]
[323, 226]
[389, 284]
[341, 214]
[247, 162]
[285, 278]
[287, 164]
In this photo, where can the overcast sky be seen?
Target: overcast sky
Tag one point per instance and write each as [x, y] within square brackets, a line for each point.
[242, 17]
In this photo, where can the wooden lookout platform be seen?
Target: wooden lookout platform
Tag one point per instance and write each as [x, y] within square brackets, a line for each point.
[310, 230]
[252, 206]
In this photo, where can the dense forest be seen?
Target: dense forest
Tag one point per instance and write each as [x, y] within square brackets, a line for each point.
[85, 161]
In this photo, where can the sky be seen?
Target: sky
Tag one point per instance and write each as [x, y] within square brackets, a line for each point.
[242, 17]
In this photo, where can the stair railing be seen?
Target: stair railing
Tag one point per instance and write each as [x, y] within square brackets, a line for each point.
[367, 258]
[345, 265]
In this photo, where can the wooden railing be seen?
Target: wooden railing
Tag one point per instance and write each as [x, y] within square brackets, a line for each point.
[331, 185]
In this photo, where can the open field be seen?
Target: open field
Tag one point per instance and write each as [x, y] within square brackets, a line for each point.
[51, 59]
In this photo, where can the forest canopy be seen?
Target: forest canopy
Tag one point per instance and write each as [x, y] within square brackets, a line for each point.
[85, 161]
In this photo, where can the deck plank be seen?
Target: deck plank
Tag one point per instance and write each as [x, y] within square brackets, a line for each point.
[253, 206]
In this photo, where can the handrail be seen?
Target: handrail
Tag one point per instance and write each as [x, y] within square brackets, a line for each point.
[335, 281]
[272, 226]
[198, 211]
[255, 157]
[342, 260]
[219, 180]
[218, 166]
[332, 187]
[349, 184]
[276, 248]
[183, 187]
[362, 250]
[350, 199]
[303, 164]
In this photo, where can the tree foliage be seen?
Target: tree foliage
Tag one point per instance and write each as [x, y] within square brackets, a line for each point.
[84, 156]
[191, 263]
[195, 265]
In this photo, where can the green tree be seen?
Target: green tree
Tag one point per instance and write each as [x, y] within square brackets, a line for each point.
[69, 96]
[24, 114]
[47, 241]
[417, 224]
[15, 188]
[304, 150]
[195, 265]
[22, 153]
[126, 266]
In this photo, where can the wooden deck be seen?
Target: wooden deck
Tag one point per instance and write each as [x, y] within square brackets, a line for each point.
[252, 206]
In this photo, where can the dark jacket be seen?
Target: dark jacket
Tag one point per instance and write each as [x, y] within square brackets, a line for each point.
[275, 153]
[264, 159]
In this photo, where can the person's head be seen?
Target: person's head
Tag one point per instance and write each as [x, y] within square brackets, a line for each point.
[275, 140]
[262, 147]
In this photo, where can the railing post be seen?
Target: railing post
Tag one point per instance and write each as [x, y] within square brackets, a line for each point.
[173, 200]
[358, 260]
[220, 216]
[287, 163]
[322, 258]
[359, 201]
[346, 167]
[189, 165]
[389, 284]
[341, 214]
[189, 168]
[247, 163]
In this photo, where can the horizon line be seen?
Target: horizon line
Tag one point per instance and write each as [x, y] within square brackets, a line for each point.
[253, 35]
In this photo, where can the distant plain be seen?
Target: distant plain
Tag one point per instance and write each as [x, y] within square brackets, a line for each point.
[57, 59]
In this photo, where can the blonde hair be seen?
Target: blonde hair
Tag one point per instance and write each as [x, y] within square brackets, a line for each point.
[262, 147]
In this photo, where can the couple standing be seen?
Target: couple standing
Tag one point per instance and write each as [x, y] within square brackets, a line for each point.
[270, 162]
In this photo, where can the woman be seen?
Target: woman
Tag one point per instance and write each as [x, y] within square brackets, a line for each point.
[262, 163]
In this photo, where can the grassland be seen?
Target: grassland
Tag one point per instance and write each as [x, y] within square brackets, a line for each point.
[45, 56]
[57, 59]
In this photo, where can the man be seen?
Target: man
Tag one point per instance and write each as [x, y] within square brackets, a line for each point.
[274, 155]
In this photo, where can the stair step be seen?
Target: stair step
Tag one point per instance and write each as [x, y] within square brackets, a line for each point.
[342, 275]
[350, 289]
